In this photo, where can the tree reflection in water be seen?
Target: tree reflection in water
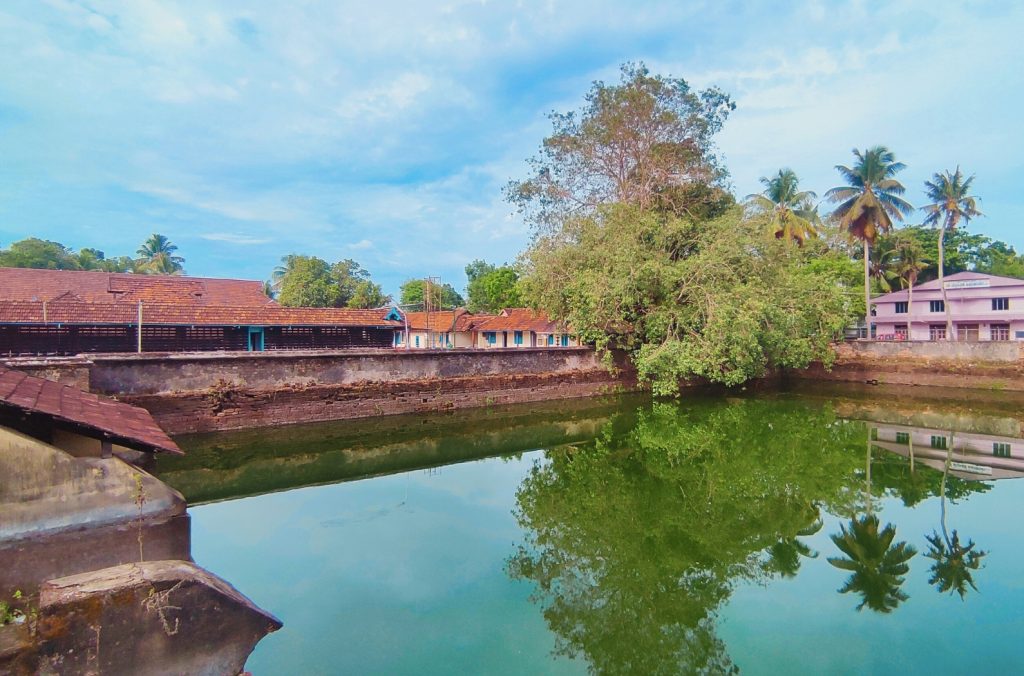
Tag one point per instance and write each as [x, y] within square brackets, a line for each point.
[876, 563]
[636, 541]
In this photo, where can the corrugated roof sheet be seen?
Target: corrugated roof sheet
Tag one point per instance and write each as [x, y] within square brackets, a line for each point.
[62, 312]
[121, 423]
[28, 284]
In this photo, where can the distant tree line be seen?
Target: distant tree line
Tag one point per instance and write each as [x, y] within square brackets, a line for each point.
[156, 256]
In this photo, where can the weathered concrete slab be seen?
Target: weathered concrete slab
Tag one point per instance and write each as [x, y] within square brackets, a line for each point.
[157, 617]
[46, 491]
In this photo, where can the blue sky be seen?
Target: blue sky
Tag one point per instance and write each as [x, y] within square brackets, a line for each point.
[384, 131]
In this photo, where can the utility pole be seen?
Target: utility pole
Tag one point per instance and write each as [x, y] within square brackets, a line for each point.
[430, 286]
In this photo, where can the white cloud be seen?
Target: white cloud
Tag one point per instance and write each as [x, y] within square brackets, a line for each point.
[232, 238]
[361, 245]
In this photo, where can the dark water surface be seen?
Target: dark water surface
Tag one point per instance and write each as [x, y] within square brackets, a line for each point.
[839, 531]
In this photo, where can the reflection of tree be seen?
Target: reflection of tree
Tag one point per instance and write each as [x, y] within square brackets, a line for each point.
[954, 562]
[877, 565]
[635, 542]
[784, 556]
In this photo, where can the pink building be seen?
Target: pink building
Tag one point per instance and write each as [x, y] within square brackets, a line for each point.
[982, 307]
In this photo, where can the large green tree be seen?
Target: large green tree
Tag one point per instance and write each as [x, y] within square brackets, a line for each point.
[869, 203]
[39, 253]
[706, 299]
[790, 212]
[646, 142]
[491, 288]
[308, 281]
[442, 296]
[950, 203]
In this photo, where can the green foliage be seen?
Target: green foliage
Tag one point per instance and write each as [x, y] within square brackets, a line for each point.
[39, 253]
[646, 142]
[441, 296]
[954, 563]
[636, 541]
[157, 256]
[871, 200]
[876, 563]
[308, 281]
[790, 212]
[492, 288]
[714, 300]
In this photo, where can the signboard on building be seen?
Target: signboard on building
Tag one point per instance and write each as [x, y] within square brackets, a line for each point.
[966, 284]
[970, 467]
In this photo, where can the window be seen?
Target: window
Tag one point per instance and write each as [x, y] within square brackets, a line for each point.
[936, 306]
[565, 340]
[901, 331]
[1000, 331]
[901, 307]
[417, 341]
[1000, 303]
[399, 339]
[1000, 449]
[517, 338]
[968, 332]
[903, 437]
[551, 339]
[491, 337]
[936, 331]
[940, 442]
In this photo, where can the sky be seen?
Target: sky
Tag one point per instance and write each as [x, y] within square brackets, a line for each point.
[385, 131]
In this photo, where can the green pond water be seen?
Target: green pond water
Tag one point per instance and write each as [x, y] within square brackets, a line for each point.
[828, 531]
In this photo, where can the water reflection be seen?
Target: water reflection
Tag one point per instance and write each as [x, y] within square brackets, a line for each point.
[636, 541]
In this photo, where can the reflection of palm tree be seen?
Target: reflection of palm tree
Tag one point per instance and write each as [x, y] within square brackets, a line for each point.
[876, 563]
[784, 555]
[954, 562]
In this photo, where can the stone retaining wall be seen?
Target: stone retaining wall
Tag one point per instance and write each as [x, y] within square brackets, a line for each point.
[202, 392]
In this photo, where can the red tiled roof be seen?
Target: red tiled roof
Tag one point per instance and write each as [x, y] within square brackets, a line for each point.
[441, 321]
[520, 319]
[105, 418]
[28, 284]
[59, 312]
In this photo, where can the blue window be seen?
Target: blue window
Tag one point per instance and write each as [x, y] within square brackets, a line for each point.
[491, 337]
[551, 339]
[936, 306]
[517, 338]
[565, 340]
[901, 308]
[398, 338]
[417, 341]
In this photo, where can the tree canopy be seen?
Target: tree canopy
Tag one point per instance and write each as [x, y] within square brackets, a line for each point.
[492, 288]
[646, 141]
[156, 256]
[442, 296]
[308, 281]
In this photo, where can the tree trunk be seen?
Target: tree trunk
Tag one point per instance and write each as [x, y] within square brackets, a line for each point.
[910, 310]
[867, 289]
[942, 284]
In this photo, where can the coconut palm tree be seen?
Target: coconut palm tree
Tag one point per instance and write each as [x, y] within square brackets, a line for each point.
[156, 255]
[876, 564]
[792, 214]
[869, 203]
[908, 265]
[951, 202]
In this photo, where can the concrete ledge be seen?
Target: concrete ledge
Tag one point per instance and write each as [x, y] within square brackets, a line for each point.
[986, 351]
[157, 617]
